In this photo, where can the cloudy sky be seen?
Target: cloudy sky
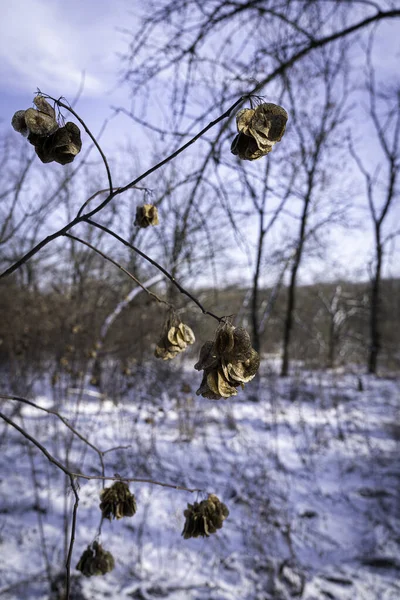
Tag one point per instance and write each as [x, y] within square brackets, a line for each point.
[56, 45]
[53, 45]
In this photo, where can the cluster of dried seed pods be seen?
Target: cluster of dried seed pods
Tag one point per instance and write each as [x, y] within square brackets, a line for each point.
[146, 215]
[204, 518]
[228, 361]
[52, 142]
[174, 339]
[259, 130]
[117, 501]
[95, 561]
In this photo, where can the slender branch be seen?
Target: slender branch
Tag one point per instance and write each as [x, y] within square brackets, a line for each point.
[65, 421]
[72, 536]
[71, 475]
[113, 191]
[90, 134]
[155, 264]
[119, 266]
[225, 115]
[136, 480]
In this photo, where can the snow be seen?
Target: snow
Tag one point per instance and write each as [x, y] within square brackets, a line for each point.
[307, 465]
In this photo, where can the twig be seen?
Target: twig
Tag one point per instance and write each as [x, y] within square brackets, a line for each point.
[90, 134]
[157, 265]
[72, 535]
[113, 191]
[71, 475]
[65, 421]
[111, 260]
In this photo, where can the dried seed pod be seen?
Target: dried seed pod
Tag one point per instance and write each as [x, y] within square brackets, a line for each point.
[259, 130]
[117, 501]
[243, 119]
[228, 362]
[44, 107]
[95, 561]
[175, 338]
[204, 518]
[61, 147]
[19, 124]
[40, 123]
[246, 147]
[52, 143]
[268, 124]
[146, 215]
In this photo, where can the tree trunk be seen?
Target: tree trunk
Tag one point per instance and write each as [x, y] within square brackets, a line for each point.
[291, 305]
[375, 335]
[254, 294]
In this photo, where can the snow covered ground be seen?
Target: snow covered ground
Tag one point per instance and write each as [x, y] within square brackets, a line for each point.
[308, 467]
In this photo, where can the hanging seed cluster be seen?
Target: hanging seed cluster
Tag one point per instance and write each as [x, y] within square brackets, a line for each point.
[228, 361]
[95, 561]
[117, 501]
[146, 215]
[259, 130]
[175, 338]
[204, 518]
[52, 142]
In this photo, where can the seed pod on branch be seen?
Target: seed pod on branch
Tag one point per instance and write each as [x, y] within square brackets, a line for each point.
[95, 561]
[228, 362]
[204, 518]
[146, 215]
[117, 501]
[259, 130]
[175, 338]
[52, 143]
[61, 147]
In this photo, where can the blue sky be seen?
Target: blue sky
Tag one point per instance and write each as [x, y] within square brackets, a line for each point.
[54, 44]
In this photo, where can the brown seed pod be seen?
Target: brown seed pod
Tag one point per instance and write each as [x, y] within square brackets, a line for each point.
[19, 124]
[175, 338]
[146, 215]
[95, 561]
[259, 130]
[44, 107]
[62, 146]
[40, 123]
[52, 143]
[204, 518]
[117, 501]
[228, 362]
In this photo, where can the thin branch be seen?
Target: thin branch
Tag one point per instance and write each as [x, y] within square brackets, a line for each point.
[90, 134]
[71, 475]
[157, 265]
[119, 266]
[65, 421]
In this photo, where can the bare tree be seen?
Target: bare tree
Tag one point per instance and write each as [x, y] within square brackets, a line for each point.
[382, 189]
[317, 127]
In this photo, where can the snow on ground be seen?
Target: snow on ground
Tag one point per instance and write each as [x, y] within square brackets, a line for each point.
[308, 467]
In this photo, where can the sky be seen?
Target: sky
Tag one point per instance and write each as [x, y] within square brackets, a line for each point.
[60, 46]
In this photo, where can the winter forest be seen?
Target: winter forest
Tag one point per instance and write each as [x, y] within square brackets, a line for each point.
[200, 301]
